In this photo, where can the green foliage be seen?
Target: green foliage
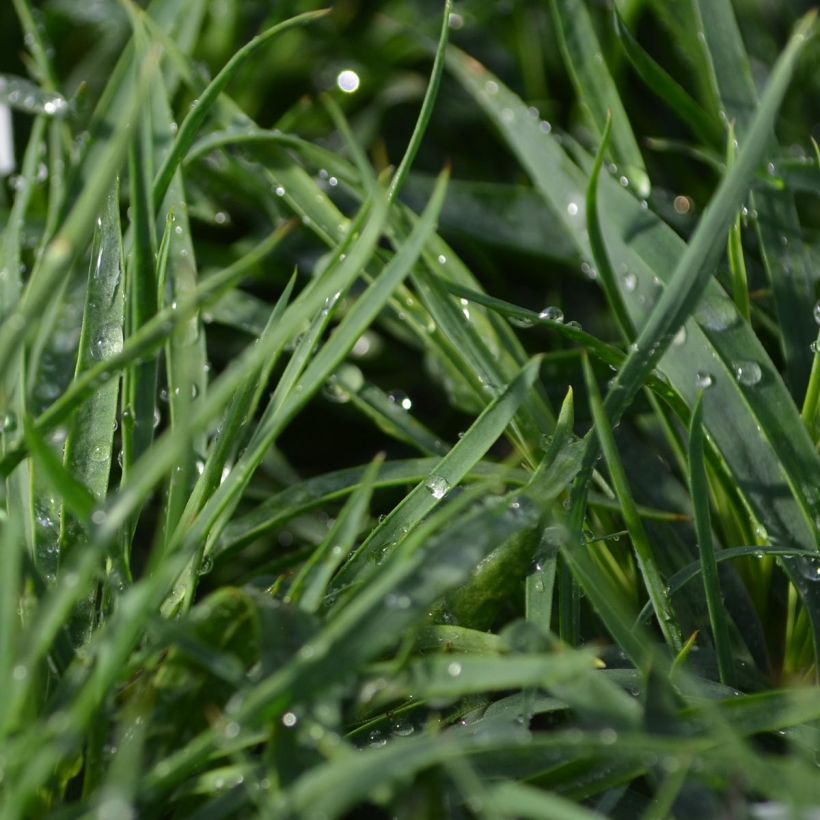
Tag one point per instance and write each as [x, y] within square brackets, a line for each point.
[318, 501]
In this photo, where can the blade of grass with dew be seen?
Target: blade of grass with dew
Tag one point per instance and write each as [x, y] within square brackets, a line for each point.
[316, 492]
[322, 364]
[654, 583]
[595, 87]
[598, 245]
[310, 585]
[448, 472]
[711, 584]
[76, 228]
[185, 354]
[77, 498]
[646, 246]
[734, 249]
[286, 382]
[508, 217]
[199, 111]
[238, 413]
[451, 675]
[666, 88]
[432, 561]
[141, 281]
[777, 223]
[145, 341]
[90, 440]
[390, 415]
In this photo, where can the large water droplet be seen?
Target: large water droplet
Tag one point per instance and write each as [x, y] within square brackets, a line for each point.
[107, 342]
[438, 486]
[551, 313]
[748, 373]
[348, 81]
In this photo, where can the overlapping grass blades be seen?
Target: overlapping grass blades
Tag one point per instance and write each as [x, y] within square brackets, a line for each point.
[206, 611]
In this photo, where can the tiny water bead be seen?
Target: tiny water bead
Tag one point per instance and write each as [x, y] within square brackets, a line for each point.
[630, 281]
[438, 486]
[572, 208]
[817, 311]
[348, 81]
[703, 380]
[748, 373]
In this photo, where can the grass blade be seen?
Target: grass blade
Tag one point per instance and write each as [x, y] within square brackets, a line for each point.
[711, 584]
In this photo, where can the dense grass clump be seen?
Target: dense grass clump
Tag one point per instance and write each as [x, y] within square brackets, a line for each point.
[409, 409]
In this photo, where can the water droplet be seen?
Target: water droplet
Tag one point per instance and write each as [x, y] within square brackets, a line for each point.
[207, 564]
[279, 190]
[400, 400]
[491, 87]
[572, 208]
[630, 281]
[107, 342]
[748, 373]
[552, 314]
[455, 21]
[454, 669]
[679, 339]
[817, 312]
[810, 568]
[403, 729]
[289, 719]
[703, 380]
[348, 81]
[716, 314]
[438, 486]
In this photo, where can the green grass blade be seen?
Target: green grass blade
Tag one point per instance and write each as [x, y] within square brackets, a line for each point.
[597, 244]
[311, 582]
[654, 583]
[666, 88]
[196, 116]
[398, 180]
[777, 223]
[449, 471]
[88, 448]
[711, 584]
[75, 230]
[585, 64]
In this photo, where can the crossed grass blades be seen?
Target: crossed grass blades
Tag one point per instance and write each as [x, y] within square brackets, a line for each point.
[318, 499]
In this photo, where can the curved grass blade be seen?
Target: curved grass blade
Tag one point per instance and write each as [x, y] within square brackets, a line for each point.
[449, 471]
[777, 223]
[711, 583]
[597, 244]
[654, 583]
[310, 585]
[206, 100]
[666, 88]
[427, 105]
[317, 492]
[595, 86]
